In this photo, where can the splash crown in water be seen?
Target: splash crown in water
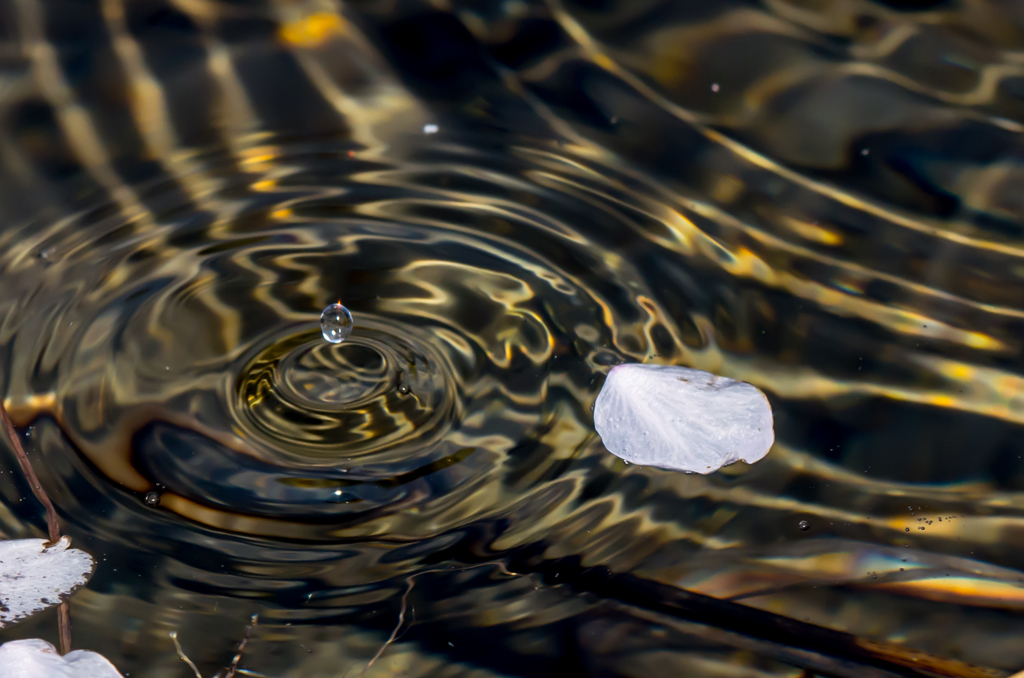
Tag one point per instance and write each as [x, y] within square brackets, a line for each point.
[336, 323]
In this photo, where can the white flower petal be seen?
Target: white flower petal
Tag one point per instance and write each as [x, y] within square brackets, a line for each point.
[36, 658]
[33, 578]
[682, 419]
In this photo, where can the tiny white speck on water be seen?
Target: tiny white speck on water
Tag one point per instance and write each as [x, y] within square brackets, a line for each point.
[336, 323]
[430, 128]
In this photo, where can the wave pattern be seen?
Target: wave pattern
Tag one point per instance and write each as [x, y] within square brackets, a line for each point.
[817, 198]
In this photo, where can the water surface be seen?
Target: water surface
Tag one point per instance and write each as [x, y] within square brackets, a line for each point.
[511, 197]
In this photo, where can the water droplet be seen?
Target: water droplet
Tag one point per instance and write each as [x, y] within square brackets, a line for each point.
[152, 498]
[804, 525]
[403, 389]
[714, 87]
[430, 128]
[336, 323]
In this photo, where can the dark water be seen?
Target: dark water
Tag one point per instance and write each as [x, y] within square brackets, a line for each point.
[820, 198]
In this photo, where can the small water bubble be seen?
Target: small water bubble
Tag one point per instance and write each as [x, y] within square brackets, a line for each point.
[430, 128]
[152, 499]
[715, 87]
[804, 525]
[403, 389]
[336, 323]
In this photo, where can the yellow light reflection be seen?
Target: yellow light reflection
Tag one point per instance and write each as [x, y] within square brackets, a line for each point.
[313, 30]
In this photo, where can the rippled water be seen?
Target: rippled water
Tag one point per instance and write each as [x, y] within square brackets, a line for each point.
[820, 198]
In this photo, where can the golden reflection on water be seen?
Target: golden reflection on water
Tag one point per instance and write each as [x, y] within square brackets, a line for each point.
[818, 198]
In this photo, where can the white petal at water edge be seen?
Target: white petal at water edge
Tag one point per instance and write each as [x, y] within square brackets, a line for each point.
[33, 578]
[682, 419]
[36, 658]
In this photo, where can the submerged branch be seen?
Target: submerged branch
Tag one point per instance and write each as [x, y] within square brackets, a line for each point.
[232, 669]
[183, 656]
[401, 620]
[30, 475]
[241, 647]
[410, 580]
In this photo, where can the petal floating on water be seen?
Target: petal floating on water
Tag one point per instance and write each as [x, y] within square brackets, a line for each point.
[33, 578]
[682, 419]
[36, 658]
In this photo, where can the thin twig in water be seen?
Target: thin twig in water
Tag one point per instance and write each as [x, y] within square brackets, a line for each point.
[241, 647]
[53, 526]
[30, 474]
[409, 581]
[64, 627]
[401, 618]
[181, 654]
[230, 671]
